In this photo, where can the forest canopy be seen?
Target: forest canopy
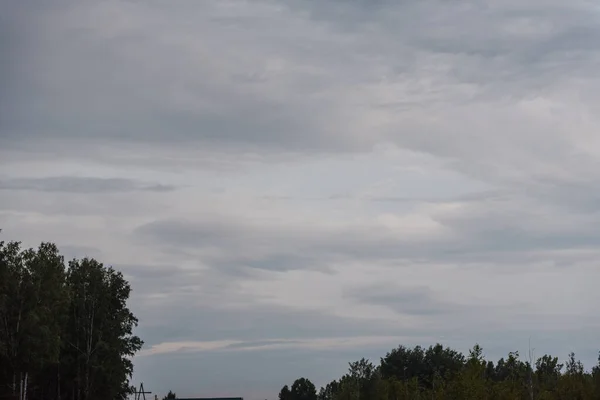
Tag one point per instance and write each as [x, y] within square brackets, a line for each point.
[440, 373]
[65, 329]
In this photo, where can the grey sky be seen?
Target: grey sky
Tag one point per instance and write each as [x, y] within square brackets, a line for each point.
[292, 185]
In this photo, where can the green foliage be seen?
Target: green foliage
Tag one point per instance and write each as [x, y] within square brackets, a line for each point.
[285, 393]
[64, 332]
[329, 391]
[440, 373]
[302, 389]
[404, 364]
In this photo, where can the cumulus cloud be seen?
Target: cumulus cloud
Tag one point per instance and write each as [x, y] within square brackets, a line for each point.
[282, 176]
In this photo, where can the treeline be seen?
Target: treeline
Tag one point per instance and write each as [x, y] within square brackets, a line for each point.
[65, 330]
[441, 373]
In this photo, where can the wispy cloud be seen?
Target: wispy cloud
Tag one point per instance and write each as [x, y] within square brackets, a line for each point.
[72, 184]
[321, 344]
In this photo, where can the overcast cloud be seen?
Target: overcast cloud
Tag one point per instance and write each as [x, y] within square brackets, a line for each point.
[292, 185]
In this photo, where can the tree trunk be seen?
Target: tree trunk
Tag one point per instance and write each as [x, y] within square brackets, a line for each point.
[89, 351]
[58, 381]
[25, 386]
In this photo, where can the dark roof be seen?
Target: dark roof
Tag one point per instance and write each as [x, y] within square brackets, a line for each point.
[213, 398]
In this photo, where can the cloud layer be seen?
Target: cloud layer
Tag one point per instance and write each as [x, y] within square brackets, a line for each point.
[314, 181]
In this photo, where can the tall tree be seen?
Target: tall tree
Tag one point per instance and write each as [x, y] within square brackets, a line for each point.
[64, 334]
[596, 376]
[32, 305]
[471, 383]
[99, 340]
[330, 391]
[303, 389]
[547, 372]
[573, 366]
[12, 303]
[284, 393]
[428, 365]
[365, 376]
